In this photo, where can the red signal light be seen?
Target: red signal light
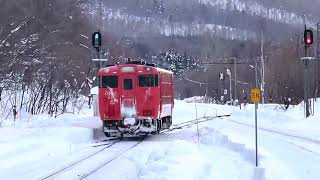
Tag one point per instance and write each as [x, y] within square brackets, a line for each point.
[308, 40]
[308, 37]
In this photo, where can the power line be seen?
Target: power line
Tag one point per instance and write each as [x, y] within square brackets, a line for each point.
[229, 61]
[200, 83]
[226, 61]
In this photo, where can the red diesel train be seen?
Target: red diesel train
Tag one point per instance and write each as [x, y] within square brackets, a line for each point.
[135, 98]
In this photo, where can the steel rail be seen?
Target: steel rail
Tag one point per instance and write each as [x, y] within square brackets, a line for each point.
[79, 161]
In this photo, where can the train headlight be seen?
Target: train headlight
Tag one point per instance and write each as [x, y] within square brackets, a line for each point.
[129, 121]
[148, 68]
[106, 70]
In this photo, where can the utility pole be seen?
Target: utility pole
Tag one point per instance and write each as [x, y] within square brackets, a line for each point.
[318, 41]
[262, 68]
[298, 46]
[206, 87]
[235, 79]
[102, 29]
[205, 70]
[227, 61]
[15, 96]
[101, 16]
[318, 60]
[256, 72]
[221, 84]
[231, 100]
[230, 77]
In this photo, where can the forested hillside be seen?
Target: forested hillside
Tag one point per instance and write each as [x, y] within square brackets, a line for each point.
[45, 45]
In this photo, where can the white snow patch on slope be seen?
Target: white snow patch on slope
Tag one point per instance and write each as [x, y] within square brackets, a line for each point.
[16, 29]
[164, 27]
[257, 9]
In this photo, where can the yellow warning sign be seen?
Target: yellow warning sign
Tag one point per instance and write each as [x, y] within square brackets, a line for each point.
[255, 95]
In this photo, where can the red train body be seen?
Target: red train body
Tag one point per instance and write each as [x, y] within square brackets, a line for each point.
[135, 99]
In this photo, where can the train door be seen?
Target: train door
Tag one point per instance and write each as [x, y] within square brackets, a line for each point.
[128, 100]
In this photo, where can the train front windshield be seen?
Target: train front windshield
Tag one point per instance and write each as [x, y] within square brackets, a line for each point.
[148, 80]
[108, 81]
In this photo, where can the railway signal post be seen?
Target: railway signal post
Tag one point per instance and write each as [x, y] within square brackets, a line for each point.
[256, 98]
[96, 44]
[308, 41]
[98, 50]
[96, 54]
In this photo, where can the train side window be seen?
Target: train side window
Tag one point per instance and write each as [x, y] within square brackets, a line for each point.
[148, 80]
[127, 84]
[108, 81]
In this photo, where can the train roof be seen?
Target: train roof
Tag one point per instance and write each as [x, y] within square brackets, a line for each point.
[138, 67]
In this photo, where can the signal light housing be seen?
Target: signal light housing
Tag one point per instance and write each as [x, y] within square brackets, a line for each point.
[308, 37]
[96, 39]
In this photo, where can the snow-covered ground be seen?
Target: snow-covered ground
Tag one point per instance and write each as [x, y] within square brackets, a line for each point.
[289, 146]
[34, 144]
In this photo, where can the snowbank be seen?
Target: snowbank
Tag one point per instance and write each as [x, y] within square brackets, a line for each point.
[34, 144]
[224, 149]
[273, 116]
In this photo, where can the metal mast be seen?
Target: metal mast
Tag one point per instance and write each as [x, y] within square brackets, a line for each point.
[262, 69]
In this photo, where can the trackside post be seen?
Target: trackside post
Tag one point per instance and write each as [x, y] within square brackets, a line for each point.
[256, 98]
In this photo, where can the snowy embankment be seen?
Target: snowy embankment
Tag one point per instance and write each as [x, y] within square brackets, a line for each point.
[273, 117]
[225, 150]
[35, 146]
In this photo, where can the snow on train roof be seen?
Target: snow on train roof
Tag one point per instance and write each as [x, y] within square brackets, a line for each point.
[116, 68]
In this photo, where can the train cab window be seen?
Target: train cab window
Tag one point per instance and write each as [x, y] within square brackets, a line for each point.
[108, 81]
[127, 84]
[148, 80]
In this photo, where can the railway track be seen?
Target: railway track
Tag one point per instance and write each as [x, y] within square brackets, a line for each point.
[111, 160]
[108, 143]
[301, 138]
[205, 119]
[292, 136]
[315, 141]
[177, 126]
[193, 122]
[61, 171]
[51, 175]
